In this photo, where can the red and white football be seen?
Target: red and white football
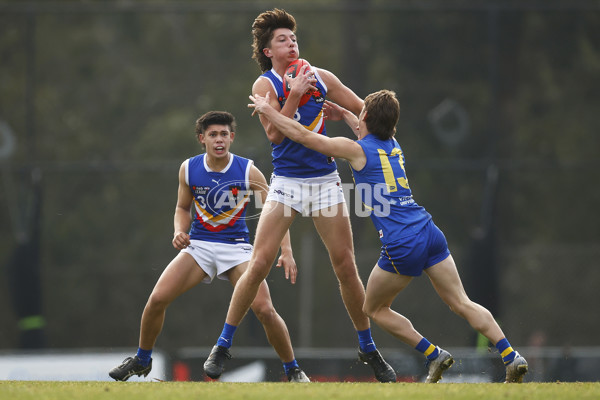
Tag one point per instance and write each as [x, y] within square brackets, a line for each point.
[291, 71]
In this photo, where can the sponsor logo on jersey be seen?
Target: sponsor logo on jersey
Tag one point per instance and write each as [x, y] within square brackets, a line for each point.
[200, 190]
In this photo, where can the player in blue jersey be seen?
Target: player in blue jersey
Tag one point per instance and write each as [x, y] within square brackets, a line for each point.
[303, 181]
[411, 243]
[217, 186]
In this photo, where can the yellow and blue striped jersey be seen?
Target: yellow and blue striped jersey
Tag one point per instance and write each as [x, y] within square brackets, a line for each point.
[385, 192]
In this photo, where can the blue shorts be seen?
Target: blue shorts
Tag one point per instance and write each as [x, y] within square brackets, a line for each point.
[412, 254]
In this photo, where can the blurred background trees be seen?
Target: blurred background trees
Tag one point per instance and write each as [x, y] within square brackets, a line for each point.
[97, 108]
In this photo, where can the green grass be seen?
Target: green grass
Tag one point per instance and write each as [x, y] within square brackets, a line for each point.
[41, 390]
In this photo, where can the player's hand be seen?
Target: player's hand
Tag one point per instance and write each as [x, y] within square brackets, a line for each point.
[259, 103]
[181, 240]
[332, 111]
[286, 260]
[303, 82]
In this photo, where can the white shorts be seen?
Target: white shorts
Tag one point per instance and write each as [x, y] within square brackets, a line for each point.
[307, 195]
[217, 258]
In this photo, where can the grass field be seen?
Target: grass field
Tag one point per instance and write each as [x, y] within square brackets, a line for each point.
[21, 390]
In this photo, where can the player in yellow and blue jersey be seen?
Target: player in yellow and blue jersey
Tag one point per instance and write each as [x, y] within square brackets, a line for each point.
[411, 243]
[217, 186]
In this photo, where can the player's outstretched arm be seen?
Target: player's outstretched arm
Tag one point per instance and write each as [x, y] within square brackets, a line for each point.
[340, 93]
[335, 112]
[299, 85]
[340, 147]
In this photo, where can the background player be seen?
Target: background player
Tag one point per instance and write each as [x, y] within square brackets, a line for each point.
[218, 183]
[411, 241]
[299, 171]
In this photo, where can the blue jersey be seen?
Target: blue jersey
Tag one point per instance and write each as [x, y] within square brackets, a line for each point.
[384, 190]
[292, 159]
[220, 199]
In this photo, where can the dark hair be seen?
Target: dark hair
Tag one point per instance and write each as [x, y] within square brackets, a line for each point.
[383, 111]
[262, 33]
[215, 117]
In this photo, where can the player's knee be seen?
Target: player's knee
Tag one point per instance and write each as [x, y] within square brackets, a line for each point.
[456, 308]
[368, 310]
[342, 256]
[373, 311]
[345, 269]
[264, 311]
[461, 307]
[158, 301]
[256, 275]
[259, 268]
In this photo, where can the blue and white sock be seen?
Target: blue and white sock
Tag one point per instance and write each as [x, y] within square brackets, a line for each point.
[144, 356]
[365, 341]
[289, 365]
[226, 338]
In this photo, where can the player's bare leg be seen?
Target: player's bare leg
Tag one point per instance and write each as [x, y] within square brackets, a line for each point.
[275, 327]
[274, 222]
[181, 275]
[334, 228]
[382, 289]
[446, 281]
[336, 233]
[277, 334]
[272, 226]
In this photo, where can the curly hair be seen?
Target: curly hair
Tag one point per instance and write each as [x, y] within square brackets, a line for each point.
[262, 33]
[383, 112]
